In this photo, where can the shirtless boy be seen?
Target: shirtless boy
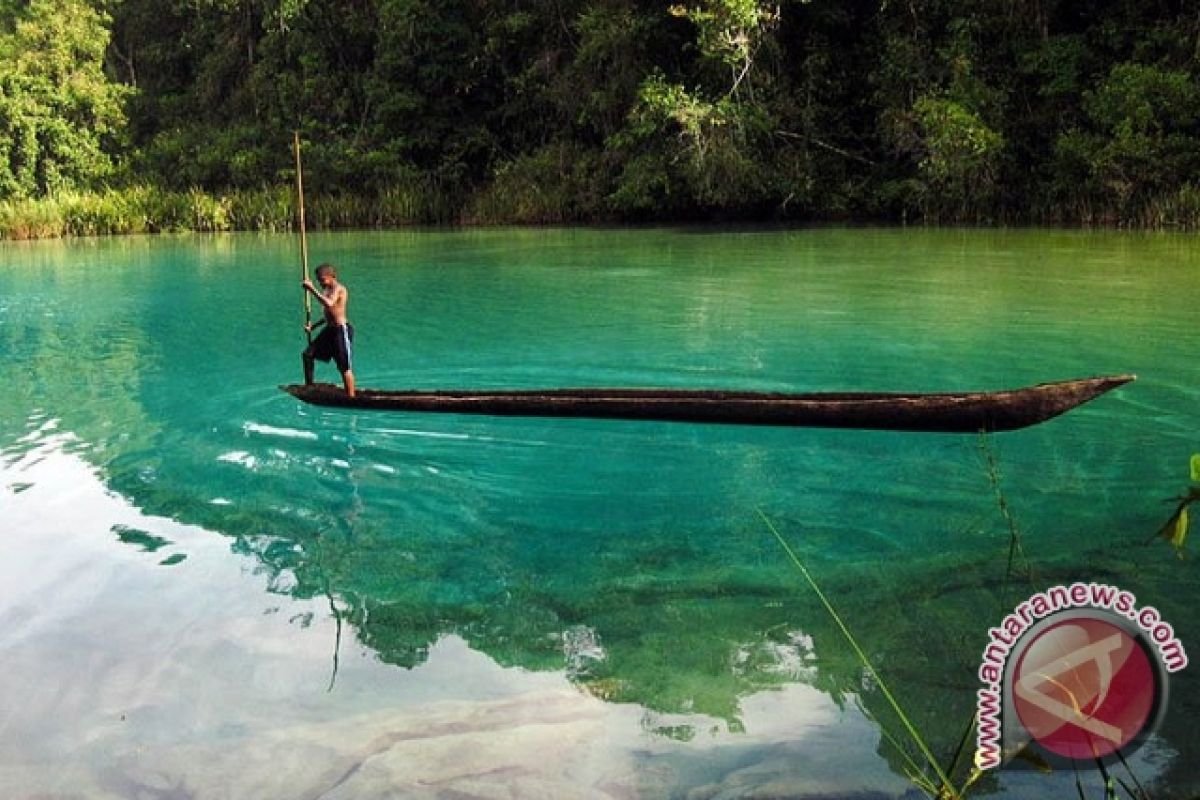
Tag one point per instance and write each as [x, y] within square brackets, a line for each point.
[335, 341]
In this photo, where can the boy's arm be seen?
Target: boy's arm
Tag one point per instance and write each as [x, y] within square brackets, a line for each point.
[333, 304]
[308, 287]
[327, 302]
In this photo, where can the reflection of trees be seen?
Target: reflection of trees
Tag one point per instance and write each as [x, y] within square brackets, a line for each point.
[78, 362]
[646, 626]
[651, 627]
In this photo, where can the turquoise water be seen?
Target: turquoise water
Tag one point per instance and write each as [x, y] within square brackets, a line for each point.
[178, 526]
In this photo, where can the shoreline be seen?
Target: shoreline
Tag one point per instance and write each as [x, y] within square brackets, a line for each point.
[148, 210]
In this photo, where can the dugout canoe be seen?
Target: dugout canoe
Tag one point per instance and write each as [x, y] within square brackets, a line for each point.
[949, 412]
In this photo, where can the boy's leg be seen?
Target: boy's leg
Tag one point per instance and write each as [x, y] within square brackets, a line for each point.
[309, 363]
[318, 348]
[342, 348]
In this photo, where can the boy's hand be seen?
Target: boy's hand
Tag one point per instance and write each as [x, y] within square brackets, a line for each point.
[307, 284]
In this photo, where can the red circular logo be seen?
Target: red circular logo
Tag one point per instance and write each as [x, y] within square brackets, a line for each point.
[1084, 688]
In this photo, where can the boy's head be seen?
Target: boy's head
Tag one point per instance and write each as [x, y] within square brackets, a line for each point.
[326, 275]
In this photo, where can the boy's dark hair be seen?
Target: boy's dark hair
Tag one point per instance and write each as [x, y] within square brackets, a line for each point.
[321, 270]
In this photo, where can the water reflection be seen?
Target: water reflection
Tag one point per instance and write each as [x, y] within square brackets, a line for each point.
[127, 685]
[136, 679]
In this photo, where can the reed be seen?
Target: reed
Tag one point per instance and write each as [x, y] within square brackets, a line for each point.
[1180, 210]
[939, 784]
[1015, 547]
[30, 219]
[518, 202]
[270, 209]
[146, 209]
[559, 183]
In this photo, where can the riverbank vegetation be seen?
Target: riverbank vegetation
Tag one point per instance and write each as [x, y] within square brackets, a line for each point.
[122, 116]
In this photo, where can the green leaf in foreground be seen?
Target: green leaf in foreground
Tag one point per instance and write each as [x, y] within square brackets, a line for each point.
[1175, 531]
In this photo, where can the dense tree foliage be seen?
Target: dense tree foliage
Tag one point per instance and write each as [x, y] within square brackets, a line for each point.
[60, 117]
[550, 110]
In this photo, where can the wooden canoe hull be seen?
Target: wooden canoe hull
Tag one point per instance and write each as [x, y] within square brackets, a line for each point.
[965, 412]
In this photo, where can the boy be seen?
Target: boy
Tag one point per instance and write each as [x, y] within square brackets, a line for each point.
[336, 340]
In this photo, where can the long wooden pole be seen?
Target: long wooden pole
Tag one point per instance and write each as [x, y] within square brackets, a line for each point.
[303, 235]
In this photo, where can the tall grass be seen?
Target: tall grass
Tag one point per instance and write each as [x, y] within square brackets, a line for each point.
[146, 209]
[559, 183]
[1174, 210]
[932, 779]
[555, 185]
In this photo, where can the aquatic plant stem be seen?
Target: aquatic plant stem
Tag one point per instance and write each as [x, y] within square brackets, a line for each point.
[962, 749]
[1141, 790]
[1078, 780]
[947, 787]
[914, 770]
[1015, 547]
[337, 639]
[1110, 791]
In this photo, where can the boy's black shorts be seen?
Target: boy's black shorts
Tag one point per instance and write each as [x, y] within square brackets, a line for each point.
[334, 342]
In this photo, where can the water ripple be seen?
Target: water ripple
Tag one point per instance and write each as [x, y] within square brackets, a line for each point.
[271, 430]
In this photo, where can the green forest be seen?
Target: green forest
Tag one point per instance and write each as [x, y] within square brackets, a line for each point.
[143, 115]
